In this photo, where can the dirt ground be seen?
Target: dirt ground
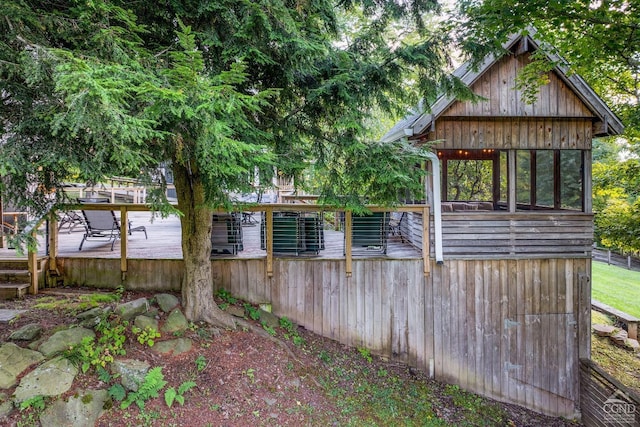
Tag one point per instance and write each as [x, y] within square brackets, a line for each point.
[245, 378]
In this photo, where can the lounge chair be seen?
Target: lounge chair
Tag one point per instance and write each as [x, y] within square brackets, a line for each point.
[103, 225]
[395, 224]
[226, 234]
[370, 232]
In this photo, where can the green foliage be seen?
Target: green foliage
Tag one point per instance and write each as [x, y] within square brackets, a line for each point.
[150, 388]
[250, 373]
[252, 312]
[117, 392]
[110, 343]
[476, 408]
[616, 202]
[365, 353]
[103, 374]
[219, 92]
[226, 296]
[172, 394]
[291, 331]
[270, 330]
[146, 336]
[35, 402]
[201, 363]
[287, 325]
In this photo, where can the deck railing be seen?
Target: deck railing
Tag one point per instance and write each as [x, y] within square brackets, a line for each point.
[270, 213]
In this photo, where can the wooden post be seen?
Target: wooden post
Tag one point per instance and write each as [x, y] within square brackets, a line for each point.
[124, 229]
[347, 242]
[53, 243]
[1, 224]
[32, 260]
[425, 241]
[268, 234]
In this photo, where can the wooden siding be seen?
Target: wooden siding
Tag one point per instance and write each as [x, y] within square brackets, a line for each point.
[498, 86]
[510, 329]
[558, 119]
[525, 235]
[529, 133]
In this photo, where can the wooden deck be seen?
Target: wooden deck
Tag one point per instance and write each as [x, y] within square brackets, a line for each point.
[164, 242]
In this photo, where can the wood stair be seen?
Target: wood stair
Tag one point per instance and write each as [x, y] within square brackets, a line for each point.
[14, 279]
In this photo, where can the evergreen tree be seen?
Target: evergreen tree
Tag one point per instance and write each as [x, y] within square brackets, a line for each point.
[216, 89]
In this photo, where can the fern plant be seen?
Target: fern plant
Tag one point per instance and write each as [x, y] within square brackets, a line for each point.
[149, 389]
[172, 394]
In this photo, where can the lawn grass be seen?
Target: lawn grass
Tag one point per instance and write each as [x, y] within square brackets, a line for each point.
[617, 287]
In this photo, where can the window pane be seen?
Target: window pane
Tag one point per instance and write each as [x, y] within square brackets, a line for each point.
[544, 178]
[571, 179]
[469, 180]
[523, 177]
[504, 189]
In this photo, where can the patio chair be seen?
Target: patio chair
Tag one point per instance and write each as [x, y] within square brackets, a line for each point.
[70, 219]
[370, 232]
[226, 234]
[103, 225]
[395, 224]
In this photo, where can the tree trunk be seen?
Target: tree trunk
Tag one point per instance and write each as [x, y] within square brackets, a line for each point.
[197, 282]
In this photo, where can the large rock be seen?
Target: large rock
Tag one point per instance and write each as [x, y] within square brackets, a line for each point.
[131, 309]
[269, 319]
[5, 406]
[62, 340]
[633, 345]
[144, 322]
[619, 338]
[92, 317]
[131, 372]
[173, 347]
[13, 361]
[167, 302]
[604, 330]
[52, 378]
[82, 409]
[28, 332]
[176, 322]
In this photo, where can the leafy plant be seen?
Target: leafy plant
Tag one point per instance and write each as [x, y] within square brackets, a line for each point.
[117, 392]
[250, 373]
[252, 312]
[270, 330]
[35, 402]
[146, 336]
[201, 363]
[111, 339]
[226, 296]
[365, 353]
[324, 356]
[172, 394]
[287, 325]
[291, 331]
[103, 374]
[150, 388]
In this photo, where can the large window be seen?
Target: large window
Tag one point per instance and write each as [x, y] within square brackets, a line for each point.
[549, 179]
[544, 179]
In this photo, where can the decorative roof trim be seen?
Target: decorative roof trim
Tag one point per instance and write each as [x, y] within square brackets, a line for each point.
[419, 122]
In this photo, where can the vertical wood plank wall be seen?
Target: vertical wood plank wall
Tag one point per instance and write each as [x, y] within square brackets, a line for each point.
[508, 329]
[511, 329]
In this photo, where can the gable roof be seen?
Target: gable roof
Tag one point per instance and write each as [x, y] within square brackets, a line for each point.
[420, 119]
